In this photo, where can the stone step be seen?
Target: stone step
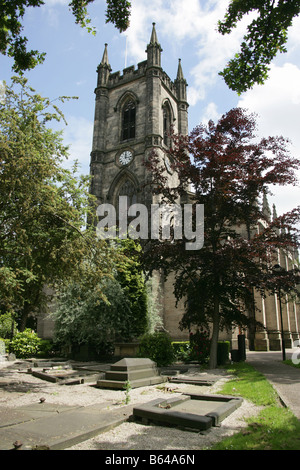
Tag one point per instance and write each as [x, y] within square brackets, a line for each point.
[133, 364]
[130, 374]
[120, 385]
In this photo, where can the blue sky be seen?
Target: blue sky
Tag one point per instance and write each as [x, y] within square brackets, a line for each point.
[186, 29]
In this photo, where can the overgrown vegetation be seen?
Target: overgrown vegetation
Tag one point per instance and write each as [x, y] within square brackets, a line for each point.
[157, 347]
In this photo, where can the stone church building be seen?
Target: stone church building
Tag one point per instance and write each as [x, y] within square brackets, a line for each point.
[133, 114]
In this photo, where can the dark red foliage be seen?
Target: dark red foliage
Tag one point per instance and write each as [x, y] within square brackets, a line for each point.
[226, 168]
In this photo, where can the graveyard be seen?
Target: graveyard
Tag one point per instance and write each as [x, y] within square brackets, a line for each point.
[56, 404]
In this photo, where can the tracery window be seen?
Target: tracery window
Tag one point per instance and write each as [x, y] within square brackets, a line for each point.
[166, 124]
[128, 120]
[128, 189]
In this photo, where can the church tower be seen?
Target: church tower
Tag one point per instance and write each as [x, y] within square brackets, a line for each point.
[133, 114]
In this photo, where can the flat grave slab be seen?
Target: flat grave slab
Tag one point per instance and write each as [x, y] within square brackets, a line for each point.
[66, 373]
[201, 379]
[191, 411]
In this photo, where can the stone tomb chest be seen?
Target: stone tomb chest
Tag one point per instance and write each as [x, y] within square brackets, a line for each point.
[140, 372]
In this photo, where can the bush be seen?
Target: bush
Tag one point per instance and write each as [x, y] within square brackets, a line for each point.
[200, 345]
[25, 344]
[157, 347]
[6, 343]
[181, 350]
[7, 324]
[45, 348]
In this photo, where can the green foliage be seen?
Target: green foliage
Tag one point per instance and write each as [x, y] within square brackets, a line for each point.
[198, 350]
[97, 312]
[45, 348]
[83, 317]
[14, 44]
[157, 347]
[266, 36]
[25, 344]
[130, 277]
[6, 343]
[7, 325]
[127, 388]
[200, 346]
[43, 206]
[118, 13]
[154, 320]
[181, 350]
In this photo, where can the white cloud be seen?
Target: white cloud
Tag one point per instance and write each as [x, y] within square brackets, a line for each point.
[210, 113]
[79, 134]
[277, 104]
[191, 27]
[56, 2]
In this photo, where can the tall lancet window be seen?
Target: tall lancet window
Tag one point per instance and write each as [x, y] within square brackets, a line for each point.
[128, 120]
[129, 190]
[166, 124]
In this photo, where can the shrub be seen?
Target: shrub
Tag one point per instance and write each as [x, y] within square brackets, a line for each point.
[200, 344]
[181, 350]
[6, 343]
[25, 344]
[157, 347]
[7, 323]
[45, 348]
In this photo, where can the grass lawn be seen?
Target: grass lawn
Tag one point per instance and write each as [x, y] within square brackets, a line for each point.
[289, 362]
[275, 428]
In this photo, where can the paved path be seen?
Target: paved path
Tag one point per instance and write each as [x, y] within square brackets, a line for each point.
[285, 379]
[55, 426]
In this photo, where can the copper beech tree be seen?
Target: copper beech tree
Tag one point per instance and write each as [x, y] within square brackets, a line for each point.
[224, 167]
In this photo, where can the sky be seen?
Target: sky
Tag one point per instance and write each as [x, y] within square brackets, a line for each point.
[186, 29]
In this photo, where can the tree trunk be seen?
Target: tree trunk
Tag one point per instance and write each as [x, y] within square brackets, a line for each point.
[24, 315]
[215, 335]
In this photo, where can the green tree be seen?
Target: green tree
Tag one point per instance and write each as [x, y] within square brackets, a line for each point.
[14, 44]
[266, 36]
[131, 279]
[83, 315]
[43, 207]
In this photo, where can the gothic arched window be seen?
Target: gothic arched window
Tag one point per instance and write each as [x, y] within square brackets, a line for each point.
[128, 189]
[128, 120]
[166, 124]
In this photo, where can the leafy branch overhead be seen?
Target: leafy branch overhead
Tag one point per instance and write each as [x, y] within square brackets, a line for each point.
[14, 44]
[266, 36]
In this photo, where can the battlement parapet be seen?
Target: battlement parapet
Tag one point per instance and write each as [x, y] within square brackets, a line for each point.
[131, 73]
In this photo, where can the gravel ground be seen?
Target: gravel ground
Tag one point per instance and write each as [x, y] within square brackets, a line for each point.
[18, 388]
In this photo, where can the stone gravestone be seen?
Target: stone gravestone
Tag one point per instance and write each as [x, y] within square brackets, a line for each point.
[2, 351]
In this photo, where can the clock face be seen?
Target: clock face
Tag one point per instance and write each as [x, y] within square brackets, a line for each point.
[125, 157]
